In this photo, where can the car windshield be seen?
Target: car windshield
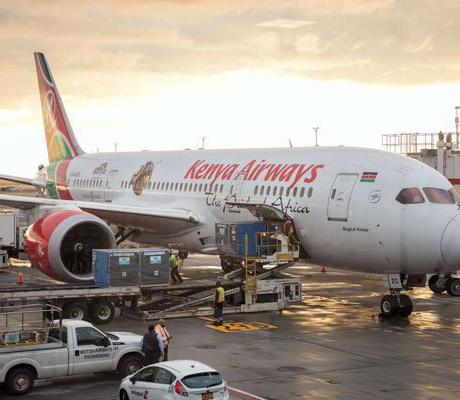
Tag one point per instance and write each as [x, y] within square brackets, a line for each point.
[202, 380]
[439, 196]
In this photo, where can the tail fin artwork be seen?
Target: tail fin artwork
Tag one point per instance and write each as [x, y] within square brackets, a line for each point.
[60, 140]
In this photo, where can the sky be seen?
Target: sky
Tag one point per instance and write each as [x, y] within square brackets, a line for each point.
[159, 75]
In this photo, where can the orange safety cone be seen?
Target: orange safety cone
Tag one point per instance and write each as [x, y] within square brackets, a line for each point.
[20, 279]
[323, 270]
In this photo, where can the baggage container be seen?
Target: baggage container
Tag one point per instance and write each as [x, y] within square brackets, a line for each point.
[154, 267]
[130, 267]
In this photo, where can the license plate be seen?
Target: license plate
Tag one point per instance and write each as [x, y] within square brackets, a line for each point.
[207, 396]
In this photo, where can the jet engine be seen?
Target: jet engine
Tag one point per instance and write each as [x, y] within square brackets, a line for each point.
[60, 244]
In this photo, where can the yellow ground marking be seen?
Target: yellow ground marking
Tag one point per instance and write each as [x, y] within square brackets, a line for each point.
[236, 326]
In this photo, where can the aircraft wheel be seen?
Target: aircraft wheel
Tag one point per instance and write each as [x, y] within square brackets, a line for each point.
[406, 305]
[435, 286]
[388, 306]
[453, 287]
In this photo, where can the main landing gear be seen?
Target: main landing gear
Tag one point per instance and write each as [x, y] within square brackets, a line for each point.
[397, 303]
[439, 284]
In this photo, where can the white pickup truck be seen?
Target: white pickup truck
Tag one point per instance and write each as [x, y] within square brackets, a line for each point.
[76, 347]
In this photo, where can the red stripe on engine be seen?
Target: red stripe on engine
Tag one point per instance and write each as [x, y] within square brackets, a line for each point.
[61, 180]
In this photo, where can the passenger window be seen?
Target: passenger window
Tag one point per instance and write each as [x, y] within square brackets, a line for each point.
[334, 191]
[268, 191]
[167, 186]
[281, 191]
[162, 185]
[288, 191]
[201, 187]
[180, 187]
[302, 192]
[310, 192]
[164, 377]
[221, 187]
[294, 192]
[255, 189]
[147, 374]
[439, 196]
[410, 196]
[275, 190]
[195, 187]
[216, 188]
[205, 188]
[88, 336]
[176, 186]
[262, 190]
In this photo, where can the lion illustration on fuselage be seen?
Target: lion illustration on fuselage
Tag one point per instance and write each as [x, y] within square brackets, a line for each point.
[142, 177]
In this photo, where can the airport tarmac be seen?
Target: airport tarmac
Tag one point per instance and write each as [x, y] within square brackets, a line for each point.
[331, 346]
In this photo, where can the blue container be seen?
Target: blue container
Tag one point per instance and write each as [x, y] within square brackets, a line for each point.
[252, 230]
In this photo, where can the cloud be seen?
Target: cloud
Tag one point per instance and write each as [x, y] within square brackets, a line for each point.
[104, 49]
[285, 23]
[425, 46]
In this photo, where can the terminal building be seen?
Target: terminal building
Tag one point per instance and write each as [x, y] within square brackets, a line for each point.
[440, 151]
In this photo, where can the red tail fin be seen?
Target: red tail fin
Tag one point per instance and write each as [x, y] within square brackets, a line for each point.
[60, 140]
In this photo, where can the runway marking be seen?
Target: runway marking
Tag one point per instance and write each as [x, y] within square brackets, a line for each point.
[236, 326]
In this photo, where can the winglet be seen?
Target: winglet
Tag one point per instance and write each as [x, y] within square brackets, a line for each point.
[60, 140]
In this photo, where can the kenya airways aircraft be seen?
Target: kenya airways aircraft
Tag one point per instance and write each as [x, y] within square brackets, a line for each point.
[352, 208]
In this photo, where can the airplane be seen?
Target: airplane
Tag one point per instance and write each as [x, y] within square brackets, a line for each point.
[352, 208]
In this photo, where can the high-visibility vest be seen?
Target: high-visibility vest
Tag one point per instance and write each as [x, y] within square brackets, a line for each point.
[173, 260]
[221, 292]
[160, 330]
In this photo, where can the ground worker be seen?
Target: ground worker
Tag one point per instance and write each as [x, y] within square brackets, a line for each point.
[173, 265]
[161, 330]
[219, 299]
[152, 346]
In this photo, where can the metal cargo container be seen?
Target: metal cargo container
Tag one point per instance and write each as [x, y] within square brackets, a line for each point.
[154, 267]
[130, 267]
[115, 267]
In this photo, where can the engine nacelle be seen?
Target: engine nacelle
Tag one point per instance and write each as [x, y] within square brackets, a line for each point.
[60, 244]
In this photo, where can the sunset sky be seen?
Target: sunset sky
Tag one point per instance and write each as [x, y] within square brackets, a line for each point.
[161, 74]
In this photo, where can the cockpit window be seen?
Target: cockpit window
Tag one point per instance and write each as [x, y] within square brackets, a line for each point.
[410, 196]
[440, 196]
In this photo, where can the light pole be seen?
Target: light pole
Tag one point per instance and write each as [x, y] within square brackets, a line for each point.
[316, 135]
[203, 138]
[456, 124]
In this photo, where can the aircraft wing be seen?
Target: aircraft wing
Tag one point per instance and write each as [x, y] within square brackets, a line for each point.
[24, 181]
[164, 220]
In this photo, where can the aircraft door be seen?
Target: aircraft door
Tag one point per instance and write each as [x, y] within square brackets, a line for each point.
[339, 197]
[109, 185]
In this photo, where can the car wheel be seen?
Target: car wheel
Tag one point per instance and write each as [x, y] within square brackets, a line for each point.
[123, 395]
[130, 364]
[20, 381]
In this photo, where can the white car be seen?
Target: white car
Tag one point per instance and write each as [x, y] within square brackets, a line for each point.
[174, 380]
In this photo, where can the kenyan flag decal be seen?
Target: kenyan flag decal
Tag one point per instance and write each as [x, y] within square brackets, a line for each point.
[368, 176]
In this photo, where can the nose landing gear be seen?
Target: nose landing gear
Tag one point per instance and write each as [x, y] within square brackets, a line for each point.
[397, 303]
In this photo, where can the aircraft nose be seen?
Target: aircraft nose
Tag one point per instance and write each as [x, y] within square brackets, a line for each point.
[450, 243]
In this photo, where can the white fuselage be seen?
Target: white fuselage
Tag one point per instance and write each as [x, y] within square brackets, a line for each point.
[342, 200]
